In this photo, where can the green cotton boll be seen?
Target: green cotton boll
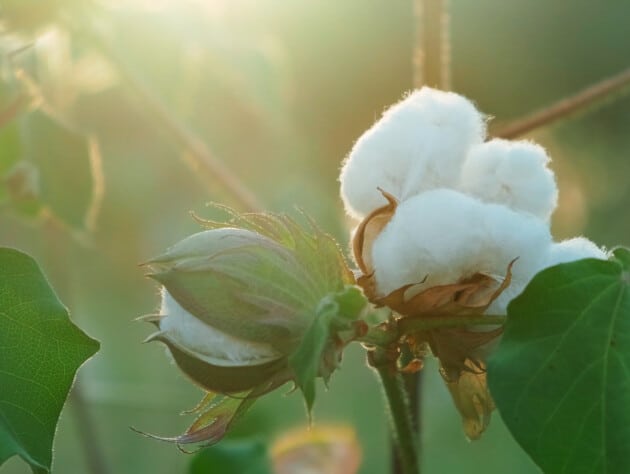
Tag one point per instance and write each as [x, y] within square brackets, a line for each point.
[241, 283]
[234, 298]
[250, 305]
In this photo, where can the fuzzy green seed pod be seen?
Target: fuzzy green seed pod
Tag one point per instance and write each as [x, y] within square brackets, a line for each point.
[252, 304]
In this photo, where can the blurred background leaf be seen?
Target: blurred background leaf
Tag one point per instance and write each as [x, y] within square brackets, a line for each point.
[242, 456]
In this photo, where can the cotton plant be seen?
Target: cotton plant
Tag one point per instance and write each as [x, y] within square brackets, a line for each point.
[450, 229]
[451, 223]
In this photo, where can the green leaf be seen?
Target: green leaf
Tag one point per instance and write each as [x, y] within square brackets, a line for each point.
[10, 153]
[307, 359]
[40, 352]
[561, 374]
[22, 189]
[10, 148]
[62, 158]
[351, 302]
[237, 456]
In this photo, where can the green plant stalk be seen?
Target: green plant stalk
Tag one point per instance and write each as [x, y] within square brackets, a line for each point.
[403, 433]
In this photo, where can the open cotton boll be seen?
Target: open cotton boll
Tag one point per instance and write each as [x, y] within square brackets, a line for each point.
[511, 173]
[191, 335]
[445, 235]
[573, 249]
[418, 144]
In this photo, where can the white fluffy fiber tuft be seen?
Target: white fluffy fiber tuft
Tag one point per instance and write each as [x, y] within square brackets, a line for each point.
[514, 174]
[418, 144]
[573, 249]
[557, 252]
[206, 343]
[445, 235]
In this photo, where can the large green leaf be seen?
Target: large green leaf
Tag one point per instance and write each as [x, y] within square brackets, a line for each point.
[40, 352]
[561, 374]
[238, 456]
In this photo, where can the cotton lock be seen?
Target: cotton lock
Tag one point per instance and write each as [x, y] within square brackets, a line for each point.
[418, 144]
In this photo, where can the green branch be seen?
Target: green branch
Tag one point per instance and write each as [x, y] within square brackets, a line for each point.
[404, 435]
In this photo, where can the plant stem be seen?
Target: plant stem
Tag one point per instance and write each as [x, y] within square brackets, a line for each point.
[579, 102]
[431, 65]
[94, 457]
[432, 50]
[13, 109]
[404, 436]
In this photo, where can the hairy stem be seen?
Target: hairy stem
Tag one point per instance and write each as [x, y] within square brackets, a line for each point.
[592, 95]
[432, 50]
[404, 435]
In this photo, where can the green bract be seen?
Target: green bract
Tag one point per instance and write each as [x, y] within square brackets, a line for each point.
[251, 304]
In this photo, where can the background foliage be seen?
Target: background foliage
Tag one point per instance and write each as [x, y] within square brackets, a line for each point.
[279, 91]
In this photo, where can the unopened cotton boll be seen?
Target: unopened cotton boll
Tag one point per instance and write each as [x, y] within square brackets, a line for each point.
[444, 235]
[418, 144]
[511, 173]
[207, 343]
[573, 249]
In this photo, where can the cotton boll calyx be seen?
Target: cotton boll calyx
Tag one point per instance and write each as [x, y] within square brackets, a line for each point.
[417, 145]
[514, 174]
[573, 249]
[442, 236]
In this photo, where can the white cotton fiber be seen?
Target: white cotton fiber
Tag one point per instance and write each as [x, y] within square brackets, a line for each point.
[511, 173]
[557, 252]
[418, 144]
[206, 343]
[446, 235]
[573, 249]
